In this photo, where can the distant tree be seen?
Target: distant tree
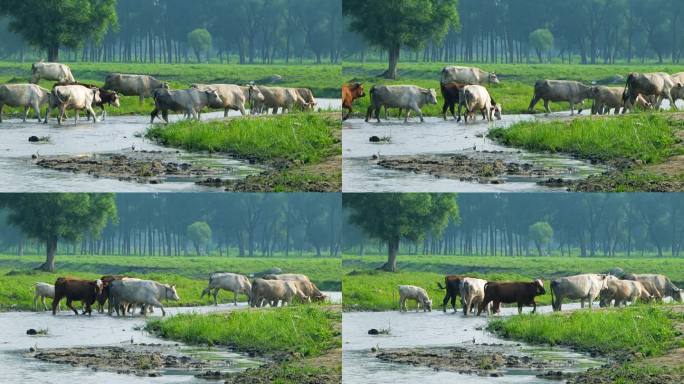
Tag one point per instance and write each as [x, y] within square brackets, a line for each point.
[49, 24]
[542, 41]
[49, 217]
[398, 23]
[199, 233]
[391, 217]
[200, 41]
[541, 234]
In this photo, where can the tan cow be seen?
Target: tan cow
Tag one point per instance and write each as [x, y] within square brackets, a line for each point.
[23, 95]
[76, 97]
[276, 98]
[134, 85]
[622, 291]
[658, 84]
[233, 97]
[467, 76]
[476, 98]
[272, 291]
[51, 71]
[473, 293]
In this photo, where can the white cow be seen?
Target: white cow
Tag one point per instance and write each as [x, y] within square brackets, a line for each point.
[147, 293]
[476, 98]
[414, 293]
[41, 291]
[23, 95]
[60, 73]
[233, 97]
[467, 76]
[75, 97]
[233, 282]
[584, 287]
[472, 293]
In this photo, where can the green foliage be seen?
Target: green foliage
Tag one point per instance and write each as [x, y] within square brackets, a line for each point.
[646, 330]
[542, 41]
[199, 233]
[49, 24]
[541, 233]
[646, 137]
[307, 330]
[200, 41]
[302, 137]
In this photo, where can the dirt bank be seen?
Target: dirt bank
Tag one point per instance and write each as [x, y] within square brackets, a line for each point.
[478, 359]
[137, 166]
[482, 167]
[134, 359]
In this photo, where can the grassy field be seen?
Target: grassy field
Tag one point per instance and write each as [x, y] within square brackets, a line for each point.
[190, 274]
[643, 330]
[367, 289]
[304, 341]
[517, 80]
[649, 138]
[323, 80]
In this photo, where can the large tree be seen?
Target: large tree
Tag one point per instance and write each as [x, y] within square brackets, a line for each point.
[49, 217]
[392, 216]
[49, 24]
[396, 23]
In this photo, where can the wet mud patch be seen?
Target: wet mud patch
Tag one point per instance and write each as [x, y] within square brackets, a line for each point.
[483, 167]
[136, 359]
[149, 167]
[492, 360]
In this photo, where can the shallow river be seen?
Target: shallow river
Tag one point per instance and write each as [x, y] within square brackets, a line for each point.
[68, 330]
[435, 329]
[117, 134]
[435, 137]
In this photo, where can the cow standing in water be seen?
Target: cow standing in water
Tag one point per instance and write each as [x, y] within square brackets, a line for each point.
[521, 293]
[85, 291]
[351, 92]
[573, 92]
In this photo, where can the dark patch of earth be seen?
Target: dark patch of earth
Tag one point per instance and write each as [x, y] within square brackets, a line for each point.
[482, 167]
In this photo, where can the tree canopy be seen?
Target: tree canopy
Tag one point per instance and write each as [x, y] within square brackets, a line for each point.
[200, 41]
[49, 24]
[50, 217]
[541, 233]
[199, 233]
[542, 41]
[397, 23]
[393, 216]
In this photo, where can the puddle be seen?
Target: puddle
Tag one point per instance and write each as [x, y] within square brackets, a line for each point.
[69, 331]
[434, 330]
[115, 135]
[438, 137]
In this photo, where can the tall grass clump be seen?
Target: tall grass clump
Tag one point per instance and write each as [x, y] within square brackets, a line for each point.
[308, 330]
[304, 137]
[645, 330]
[645, 137]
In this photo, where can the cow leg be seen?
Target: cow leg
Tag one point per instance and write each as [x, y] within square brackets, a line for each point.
[572, 109]
[408, 114]
[377, 113]
[582, 303]
[402, 303]
[453, 302]
[445, 301]
[1, 107]
[92, 113]
[419, 112]
[26, 110]
[165, 115]
[215, 294]
[533, 102]
[55, 303]
[444, 109]
[546, 106]
[534, 306]
[520, 305]
[235, 294]
[71, 306]
[35, 302]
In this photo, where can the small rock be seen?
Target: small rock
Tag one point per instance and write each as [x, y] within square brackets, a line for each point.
[32, 349]
[495, 374]
[373, 331]
[31, 331]
[33, 139]
[374, 157]
[374, 139]
[374, 349]
[34, 156]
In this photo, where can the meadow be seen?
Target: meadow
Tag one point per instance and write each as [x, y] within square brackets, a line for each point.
[514, 92]
[189, 274]
[323, 80]
[365, 288]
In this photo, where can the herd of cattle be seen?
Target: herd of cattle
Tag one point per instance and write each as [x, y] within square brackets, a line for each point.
[67, 93]
[464, 86]
[123, 294]
[615, 288]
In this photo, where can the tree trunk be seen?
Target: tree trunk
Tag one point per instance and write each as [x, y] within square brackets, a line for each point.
[53, 52]
[392, 248]
[391, 72]
[51, 250]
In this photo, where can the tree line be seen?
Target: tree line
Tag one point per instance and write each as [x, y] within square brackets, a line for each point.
[503, 31]
[171, 224]
[172, 31]
[584, 225]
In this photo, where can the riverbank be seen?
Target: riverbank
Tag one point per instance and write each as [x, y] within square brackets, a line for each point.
[300, 152]
[303, 351]
[645, 342]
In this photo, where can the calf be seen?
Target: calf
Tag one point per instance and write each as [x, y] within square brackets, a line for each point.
[41, 291]
[522, 293]
[476, 98]
[85, 291]
[414, 293]
[351, 92]
[452, 285]
[472, 292]
[230, 282]
[304, 285]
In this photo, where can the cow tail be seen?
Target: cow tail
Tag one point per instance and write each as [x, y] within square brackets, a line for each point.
[440, 286]
[553, 300]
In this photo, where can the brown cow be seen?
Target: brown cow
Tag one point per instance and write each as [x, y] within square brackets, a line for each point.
[450, 93]
[85, 291]
[452, 285]
[351, 92]
[522, 293]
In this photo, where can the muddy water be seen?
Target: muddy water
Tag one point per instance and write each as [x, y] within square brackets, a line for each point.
[117, 134]
[438, 137]
[68, 330]
[436, 329]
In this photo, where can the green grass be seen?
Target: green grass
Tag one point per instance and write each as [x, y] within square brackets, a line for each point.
[517, 80]
[366, 289]
[300, 137]
[648, 331]
[306, 330]
[190, 274]
[323, 80]
[645, 137]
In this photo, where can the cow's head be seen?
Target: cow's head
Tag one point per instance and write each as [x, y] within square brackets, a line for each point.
[540, 287]
[428, 304]
[98, 286]
[114, 99]
[165, 85]
[677, 295]
[493, 79]
[357, 90]
[430, 95]
[213, 98]
[170, 292]
[319, 297]
[496, 110]
[594, 92]
[643, 103]
[255, 93]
